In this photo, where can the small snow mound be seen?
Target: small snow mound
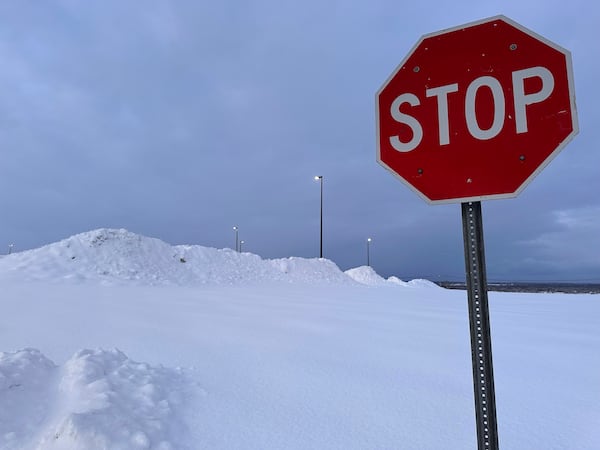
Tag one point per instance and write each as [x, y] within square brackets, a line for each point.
[316, 270]
[98, 399]
[422, 283]
[24, 395]
[366, 275]
[396, 280]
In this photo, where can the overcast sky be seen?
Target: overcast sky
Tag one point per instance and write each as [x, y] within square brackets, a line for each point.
[179, 120]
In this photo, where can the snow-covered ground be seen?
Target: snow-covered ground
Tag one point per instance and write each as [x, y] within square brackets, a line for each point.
[117, 341]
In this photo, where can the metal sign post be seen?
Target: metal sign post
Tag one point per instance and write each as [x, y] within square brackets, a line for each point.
[479, 323]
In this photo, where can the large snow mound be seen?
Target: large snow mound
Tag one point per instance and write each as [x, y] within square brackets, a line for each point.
[97, 399]
[116, 255]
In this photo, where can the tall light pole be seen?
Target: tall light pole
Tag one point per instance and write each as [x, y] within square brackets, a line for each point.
[236, 239]
[368, 252]
[320, 179]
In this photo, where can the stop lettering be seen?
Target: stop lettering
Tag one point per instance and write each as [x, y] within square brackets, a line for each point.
[475, 112]
[520, 101]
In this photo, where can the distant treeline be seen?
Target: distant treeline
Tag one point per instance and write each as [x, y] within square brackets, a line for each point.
[569, 288]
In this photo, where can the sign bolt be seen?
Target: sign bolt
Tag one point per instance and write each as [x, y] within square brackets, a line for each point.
[513, 46]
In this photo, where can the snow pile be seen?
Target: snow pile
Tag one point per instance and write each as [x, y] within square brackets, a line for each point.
[396, 280]
[102, 254]
[366, 275]
[98, 399]
[310, 270]
[112, 256]
[421, 283]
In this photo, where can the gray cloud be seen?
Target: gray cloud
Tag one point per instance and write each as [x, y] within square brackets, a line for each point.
[179, 120]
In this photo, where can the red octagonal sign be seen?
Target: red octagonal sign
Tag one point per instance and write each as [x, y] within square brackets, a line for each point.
[475, 112]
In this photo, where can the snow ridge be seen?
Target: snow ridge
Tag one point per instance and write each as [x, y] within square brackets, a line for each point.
[116, 256]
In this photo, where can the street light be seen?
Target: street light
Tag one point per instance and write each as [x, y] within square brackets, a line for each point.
[241, 242]
[236, 239]
[368, 252]
[10, 248]
[320, 179]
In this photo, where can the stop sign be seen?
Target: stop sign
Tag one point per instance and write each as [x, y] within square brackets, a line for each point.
[476, 111]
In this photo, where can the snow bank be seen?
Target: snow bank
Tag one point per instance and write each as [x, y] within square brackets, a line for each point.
[114, 256]
[118, 256]
[98, 399]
